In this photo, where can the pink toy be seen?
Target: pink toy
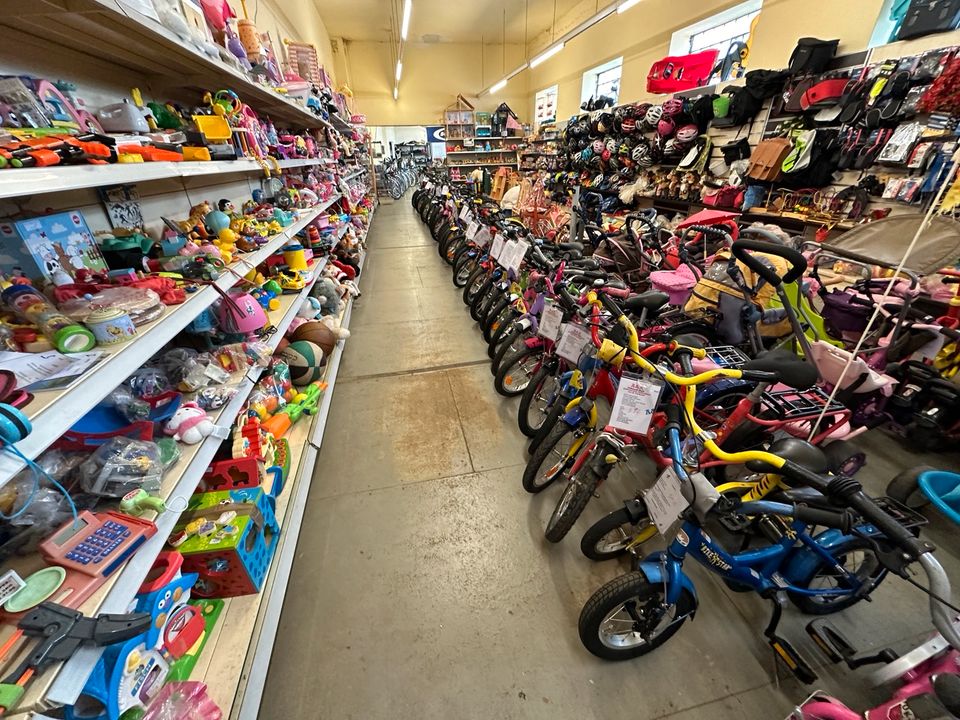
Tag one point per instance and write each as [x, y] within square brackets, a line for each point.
[217, 12]
[183, 701]
[189, 424]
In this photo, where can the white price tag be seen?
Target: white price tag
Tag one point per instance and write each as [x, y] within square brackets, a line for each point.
[482, 238]
[497, 247]
[516, 257]
[550, 320]
[572, 340]
[507, 252]
[636, 401]
[471, 230]
[464, 212]
[429, 186]
[445, 190]
[665, 500]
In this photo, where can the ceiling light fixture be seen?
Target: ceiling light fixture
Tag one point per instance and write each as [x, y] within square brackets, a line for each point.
[399, 69]
[396, 93]
[405, 25]
[497, 87]
[546, 54]
[626, 5]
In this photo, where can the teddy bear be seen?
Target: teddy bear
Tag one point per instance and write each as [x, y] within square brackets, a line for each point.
[189, 424]
[333, 322]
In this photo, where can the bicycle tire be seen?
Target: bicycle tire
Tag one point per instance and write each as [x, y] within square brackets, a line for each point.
[509, 367]
[534, 470]
[480, 297]
[555, 412]
[541, 379]
[463, 266]
[473, 284]
[590, 543]
[509, 345]
[496, 316]
[580, 488]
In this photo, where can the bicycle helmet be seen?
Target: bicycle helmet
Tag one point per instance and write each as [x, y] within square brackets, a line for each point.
[666, 127]
[641, 156]
[611, 144]
[628, 126]
[605, 155]
[586, 154]
[639, 111]
[670, 147]
[673, 106]
[598, 146]
[687, 133]
[605, 123]
[653, 115]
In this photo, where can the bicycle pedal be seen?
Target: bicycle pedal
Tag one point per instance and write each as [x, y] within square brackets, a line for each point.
[831, 643]
[794, 662]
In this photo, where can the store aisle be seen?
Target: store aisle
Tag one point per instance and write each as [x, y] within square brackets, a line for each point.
[422, 586]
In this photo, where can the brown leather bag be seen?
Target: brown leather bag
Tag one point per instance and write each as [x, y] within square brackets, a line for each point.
[767, 159]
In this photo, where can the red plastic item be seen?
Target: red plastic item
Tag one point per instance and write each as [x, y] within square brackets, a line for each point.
[96, 544]
[681, 72]
[79, 441]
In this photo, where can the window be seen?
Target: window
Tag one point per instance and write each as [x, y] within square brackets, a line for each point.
[718, 32]
[545, 106]
[603, 80]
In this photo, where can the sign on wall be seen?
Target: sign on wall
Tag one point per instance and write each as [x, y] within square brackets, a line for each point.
[436, 133]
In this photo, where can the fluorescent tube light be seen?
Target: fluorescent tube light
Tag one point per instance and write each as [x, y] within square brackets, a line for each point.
[396, 93]
[497, 87]
[399, 69]
[626, 5]
[405, 26]
[546, 54]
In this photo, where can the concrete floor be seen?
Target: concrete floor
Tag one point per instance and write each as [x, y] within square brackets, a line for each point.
[423, 587]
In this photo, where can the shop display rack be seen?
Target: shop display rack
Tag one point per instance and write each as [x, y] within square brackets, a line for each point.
[357, 173]
[235, 661]
[30, 181]
[57, 411]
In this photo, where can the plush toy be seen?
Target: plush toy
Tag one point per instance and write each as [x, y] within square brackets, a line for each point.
[311, 309]
[189, 424]
[333, 323]
[327, 292]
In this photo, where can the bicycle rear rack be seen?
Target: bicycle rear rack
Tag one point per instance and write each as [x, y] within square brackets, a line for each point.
[726, 356]
[792, 404]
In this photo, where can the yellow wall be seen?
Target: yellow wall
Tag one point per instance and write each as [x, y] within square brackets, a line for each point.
[433, 75]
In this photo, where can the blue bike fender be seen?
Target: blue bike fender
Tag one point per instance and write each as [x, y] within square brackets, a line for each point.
[653, 572]
[803, 562]
[707, 393]
[579, 415]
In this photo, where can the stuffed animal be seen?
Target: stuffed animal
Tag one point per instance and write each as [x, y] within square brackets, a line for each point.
[311, 308]
[333, 323]
[327, 293]
[189, 424]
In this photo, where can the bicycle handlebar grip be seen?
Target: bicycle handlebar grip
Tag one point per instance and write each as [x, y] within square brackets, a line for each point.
[614, 291]
[760, 376]
[610, 305]
[796, 259]
[674, 417]
[828, 518]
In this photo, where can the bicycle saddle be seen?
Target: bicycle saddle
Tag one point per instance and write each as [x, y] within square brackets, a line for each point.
[570, 247]
[790, 369]
[796, 450]
[650, 300]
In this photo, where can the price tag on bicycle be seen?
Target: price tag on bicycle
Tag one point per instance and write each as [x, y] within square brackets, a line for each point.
[516, 256]
[497, 246]
[482, 238]
[445, 190]
[472, 230]
[665, 500]
[464, 212]
[636, 401]
[572, 340]
[550, 320]
[507, 252]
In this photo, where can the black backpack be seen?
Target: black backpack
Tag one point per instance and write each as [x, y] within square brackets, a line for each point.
[744, 105]
[765, 84]
[811, 56]
[824, 161]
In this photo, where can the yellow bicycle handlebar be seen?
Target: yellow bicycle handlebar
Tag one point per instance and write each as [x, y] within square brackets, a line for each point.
[612, 352]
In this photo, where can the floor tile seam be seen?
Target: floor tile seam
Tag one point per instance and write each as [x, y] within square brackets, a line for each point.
[417, 371]
[351, 493]
[463, 433]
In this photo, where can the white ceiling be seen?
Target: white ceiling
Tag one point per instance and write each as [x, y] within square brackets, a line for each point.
[442, 20]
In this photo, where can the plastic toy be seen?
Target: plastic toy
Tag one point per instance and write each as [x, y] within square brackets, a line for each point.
[291, 283]
[190, 424]
[306, 403]
[57, 150]
[231, 557]
[97, 544]
[66, 335]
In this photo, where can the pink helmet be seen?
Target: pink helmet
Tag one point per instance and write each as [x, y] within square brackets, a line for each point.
[598, 147]
[666, 126]
[673, 106]
[687, 133]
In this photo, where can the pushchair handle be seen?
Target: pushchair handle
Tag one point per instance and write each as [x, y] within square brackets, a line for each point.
[798, 262]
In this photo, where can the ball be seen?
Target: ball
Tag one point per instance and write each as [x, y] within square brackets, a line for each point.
[304, 360]
[318, 333]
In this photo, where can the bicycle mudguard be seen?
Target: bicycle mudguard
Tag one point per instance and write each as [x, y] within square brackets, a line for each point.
[706, 393]
[677, 580]
[580, 411]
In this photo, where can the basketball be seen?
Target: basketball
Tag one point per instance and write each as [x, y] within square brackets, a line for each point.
[304, 359]
[318, 333]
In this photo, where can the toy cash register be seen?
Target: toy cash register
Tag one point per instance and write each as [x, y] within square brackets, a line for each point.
[97, 543]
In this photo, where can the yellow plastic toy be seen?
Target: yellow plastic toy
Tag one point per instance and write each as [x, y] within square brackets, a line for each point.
[226, 242]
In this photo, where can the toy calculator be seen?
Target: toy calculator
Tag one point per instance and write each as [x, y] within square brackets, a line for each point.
[97, 543]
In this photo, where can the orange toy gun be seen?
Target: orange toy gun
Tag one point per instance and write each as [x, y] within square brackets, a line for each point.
[58, 150]
[305, 403]
[149, 153]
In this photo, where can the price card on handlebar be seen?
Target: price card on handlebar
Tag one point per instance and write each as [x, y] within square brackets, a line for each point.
[550, 319]
[482, 238]
[665, 500]
[472, 230]
[572, 340]
[497, 246]
[636, 401]
[464, 212]
[506, 252]
[514, 260]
